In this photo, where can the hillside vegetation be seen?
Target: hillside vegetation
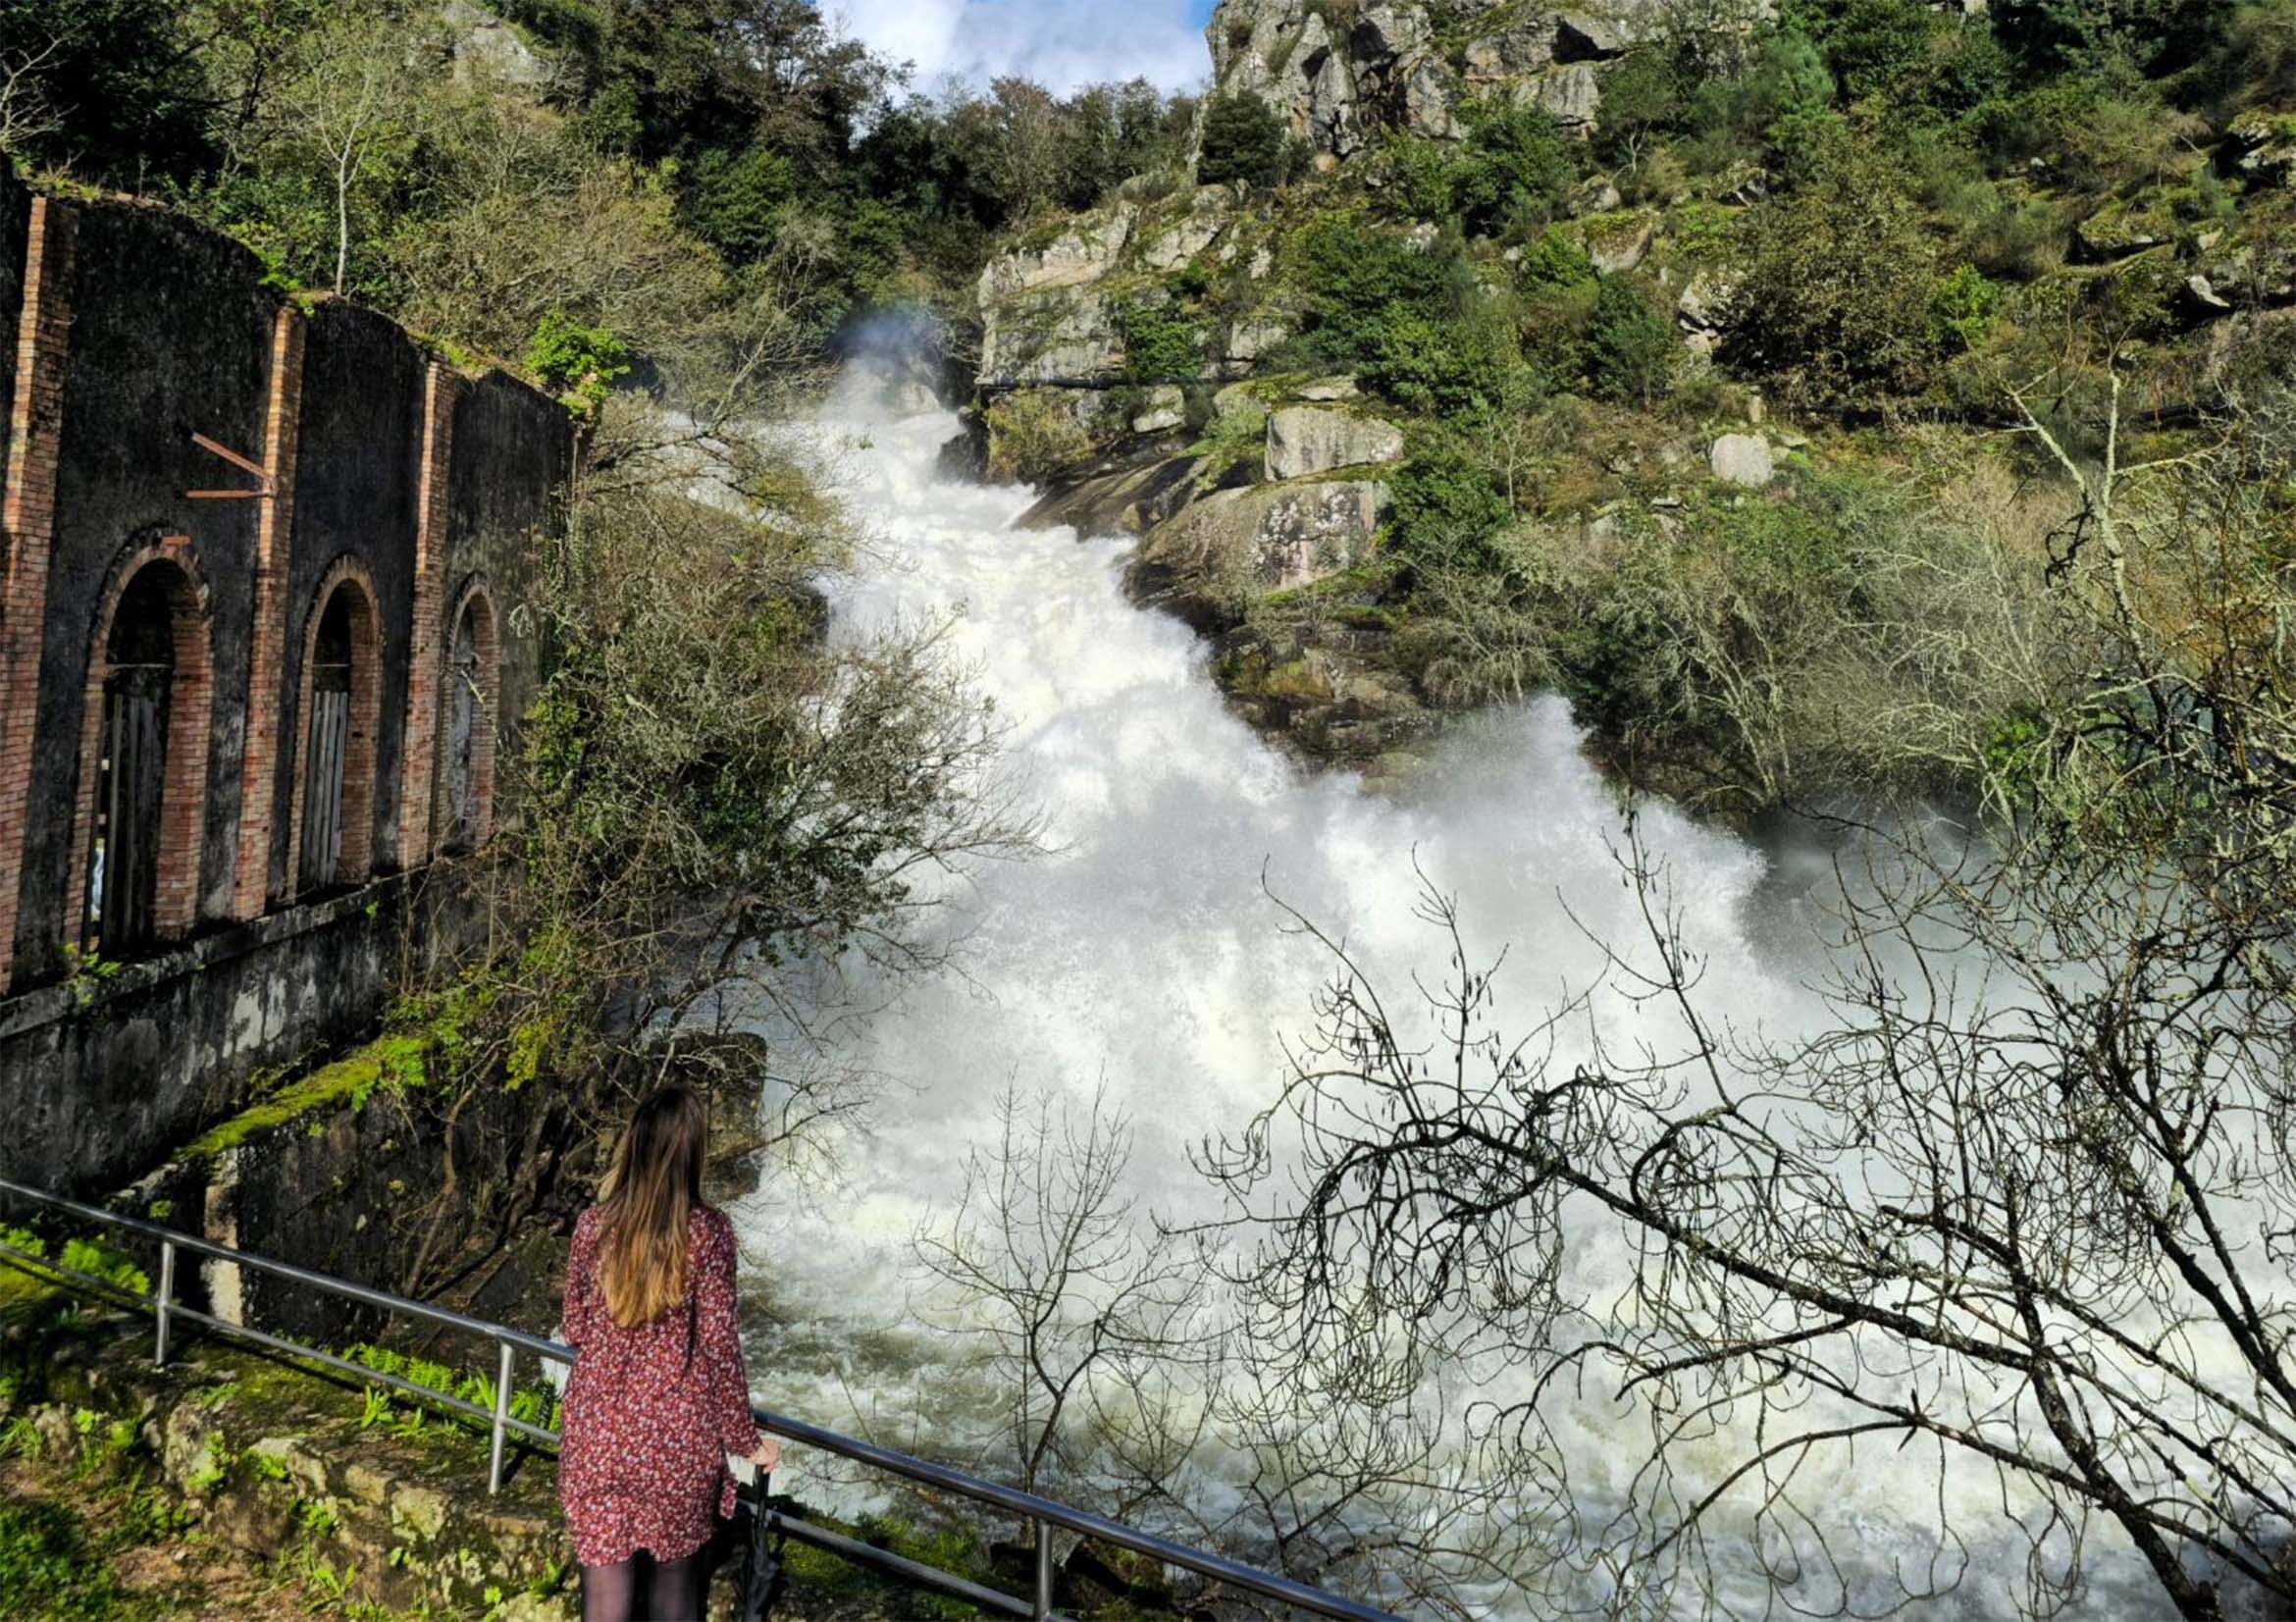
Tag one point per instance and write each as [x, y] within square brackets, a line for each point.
[1718, 332]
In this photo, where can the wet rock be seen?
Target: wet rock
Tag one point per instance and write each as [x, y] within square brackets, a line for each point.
[487, 47]
[1620, 242]
[2200, 296]
[1702, 309]
[1208, 216]
[1251, 339]
[2264, 144]
[1303, 441]
[1050, 337]
[1085, 253]
[1123, 499]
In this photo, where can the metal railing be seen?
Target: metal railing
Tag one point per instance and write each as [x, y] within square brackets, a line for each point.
[1043, 1515]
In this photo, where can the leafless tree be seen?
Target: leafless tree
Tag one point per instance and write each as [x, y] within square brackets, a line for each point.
[1053, 1267]
[25, 113]
[2020, 1204]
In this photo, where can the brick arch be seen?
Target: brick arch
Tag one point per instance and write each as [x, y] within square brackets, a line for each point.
[464, 813]
[182, 814]
[347, 584]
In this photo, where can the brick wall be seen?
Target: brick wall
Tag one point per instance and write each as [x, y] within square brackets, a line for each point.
[28, 516]
[259, 762]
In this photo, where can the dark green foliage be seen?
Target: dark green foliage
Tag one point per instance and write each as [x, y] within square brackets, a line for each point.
[582, 360]
[735, 201]
[1456, 368]
[1836, 293]
[1243, 141]
[119, 85]
[1163, 341]
[1962, 308]
[1634, 348]
[1516, 170]
[1415, 323]
[1354, 276]
[1447, 504]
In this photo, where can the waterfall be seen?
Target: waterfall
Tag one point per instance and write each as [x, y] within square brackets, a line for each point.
[1142, 955]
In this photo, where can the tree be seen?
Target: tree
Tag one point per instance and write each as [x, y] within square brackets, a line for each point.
[351, 103]
[110, 88]
[1050, 1262]
[2022, 1200]
[1243, 141]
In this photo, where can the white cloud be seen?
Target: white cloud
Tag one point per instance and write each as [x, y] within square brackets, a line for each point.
[1059, 43]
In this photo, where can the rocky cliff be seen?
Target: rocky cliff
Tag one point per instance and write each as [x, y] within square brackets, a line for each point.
[1336, 70]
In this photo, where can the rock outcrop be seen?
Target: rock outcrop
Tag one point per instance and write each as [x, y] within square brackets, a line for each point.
[1333, 71]
[1303, 441]
[1236, 545]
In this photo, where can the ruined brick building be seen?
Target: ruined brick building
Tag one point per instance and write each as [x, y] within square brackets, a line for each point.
[261, 573]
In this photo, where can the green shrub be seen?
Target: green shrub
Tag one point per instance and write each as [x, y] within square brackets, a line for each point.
[1031, 435]
[1162, 341]
[1962, 308]
[1634, 348]
[1446, 506]
[1515, 172]
[1444, 368]
[1243, 141]
[1555, 260]
[735, 201]
[1354, 277]
[580, 360]
[1835, 299]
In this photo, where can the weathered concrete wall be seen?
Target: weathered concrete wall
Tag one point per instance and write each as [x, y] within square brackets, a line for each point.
[103, 1079]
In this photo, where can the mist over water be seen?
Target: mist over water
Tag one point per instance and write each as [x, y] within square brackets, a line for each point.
[1142, 955]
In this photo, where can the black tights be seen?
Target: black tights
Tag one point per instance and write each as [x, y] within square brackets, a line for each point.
[672, 1587]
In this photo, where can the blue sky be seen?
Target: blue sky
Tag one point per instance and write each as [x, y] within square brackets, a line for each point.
[1061, 43]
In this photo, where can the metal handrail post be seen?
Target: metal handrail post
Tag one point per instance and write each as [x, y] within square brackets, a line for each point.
[159, 1309]
[1044, 1572]
[505, 1362]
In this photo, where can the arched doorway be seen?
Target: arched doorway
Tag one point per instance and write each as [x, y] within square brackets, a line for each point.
[466, 786]
[145, 795]
[334, 791]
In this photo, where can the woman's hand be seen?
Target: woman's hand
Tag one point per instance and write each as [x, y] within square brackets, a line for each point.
[767, 1456]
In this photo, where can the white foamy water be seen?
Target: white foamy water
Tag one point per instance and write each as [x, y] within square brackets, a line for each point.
[1142, 955]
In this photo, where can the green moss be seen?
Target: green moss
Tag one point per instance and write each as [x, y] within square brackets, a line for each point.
[395, 1061]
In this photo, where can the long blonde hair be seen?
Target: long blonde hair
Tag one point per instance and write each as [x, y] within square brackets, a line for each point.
[648, 1193]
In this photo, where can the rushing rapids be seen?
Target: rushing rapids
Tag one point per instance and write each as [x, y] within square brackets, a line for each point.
[1145, 956]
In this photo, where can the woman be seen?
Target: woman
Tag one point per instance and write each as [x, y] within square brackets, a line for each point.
[658, 1396]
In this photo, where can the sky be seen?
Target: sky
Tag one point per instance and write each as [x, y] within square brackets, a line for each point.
[1059, 43]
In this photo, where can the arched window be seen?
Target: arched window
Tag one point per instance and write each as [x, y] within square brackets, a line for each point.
[144, 783]
[333, 828]
[466, 785]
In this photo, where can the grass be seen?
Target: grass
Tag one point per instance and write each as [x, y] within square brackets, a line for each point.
[61, 1564]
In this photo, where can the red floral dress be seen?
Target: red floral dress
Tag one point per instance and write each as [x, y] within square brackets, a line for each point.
[651, 1412]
